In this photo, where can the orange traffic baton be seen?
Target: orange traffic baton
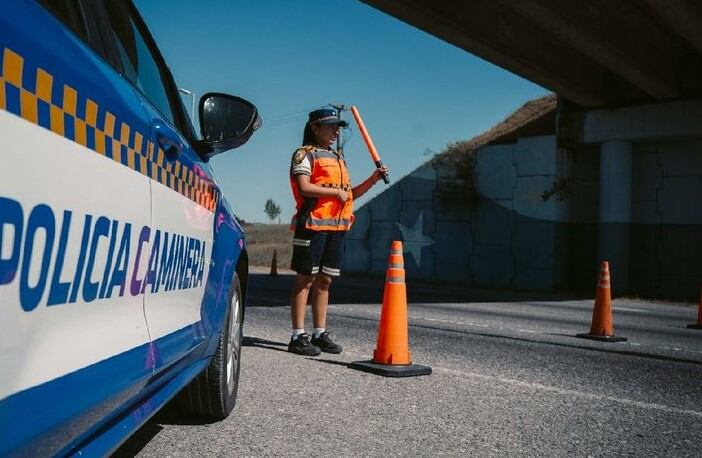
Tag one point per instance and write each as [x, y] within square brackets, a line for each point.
[392, 357]
[369, 141]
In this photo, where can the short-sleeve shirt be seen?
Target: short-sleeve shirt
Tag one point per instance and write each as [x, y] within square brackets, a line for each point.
[302, 164]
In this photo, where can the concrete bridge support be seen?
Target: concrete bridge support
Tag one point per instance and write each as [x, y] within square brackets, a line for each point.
[615, 211]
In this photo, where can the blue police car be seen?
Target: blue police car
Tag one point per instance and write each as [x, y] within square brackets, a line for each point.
[123, 270]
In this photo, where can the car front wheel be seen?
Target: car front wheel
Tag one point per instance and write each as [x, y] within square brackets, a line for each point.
[213, 393]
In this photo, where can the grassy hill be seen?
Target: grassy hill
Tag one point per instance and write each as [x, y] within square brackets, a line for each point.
[262, 239]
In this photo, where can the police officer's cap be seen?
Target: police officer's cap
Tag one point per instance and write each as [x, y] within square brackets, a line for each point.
[326, 115]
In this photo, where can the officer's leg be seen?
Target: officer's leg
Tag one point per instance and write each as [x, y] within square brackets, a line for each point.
[329, 267]
[298, 299]
[305, 261]
[320, 299]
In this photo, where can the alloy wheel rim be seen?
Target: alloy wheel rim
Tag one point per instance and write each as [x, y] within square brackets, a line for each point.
[234, 343]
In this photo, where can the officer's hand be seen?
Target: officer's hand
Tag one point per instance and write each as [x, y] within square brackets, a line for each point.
[342, 195]
[378, 174]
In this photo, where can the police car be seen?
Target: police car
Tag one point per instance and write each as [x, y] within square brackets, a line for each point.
[123, 270]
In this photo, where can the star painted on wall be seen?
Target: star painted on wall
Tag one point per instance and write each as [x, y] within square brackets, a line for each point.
[415, 239]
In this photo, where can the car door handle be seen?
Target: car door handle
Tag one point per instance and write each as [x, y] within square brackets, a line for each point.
[167, 138]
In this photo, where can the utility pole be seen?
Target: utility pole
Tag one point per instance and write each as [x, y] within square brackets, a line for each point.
[339, 138]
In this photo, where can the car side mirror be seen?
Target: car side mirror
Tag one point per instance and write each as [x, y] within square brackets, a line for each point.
[226, 121]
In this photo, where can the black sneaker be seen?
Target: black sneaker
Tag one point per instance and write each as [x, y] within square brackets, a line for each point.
[302, 346]
[326, 344]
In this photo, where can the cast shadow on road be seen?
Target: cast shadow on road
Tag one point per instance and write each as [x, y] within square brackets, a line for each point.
[171, 415]
[274, 291]
[264, 343]
[330, 361]
[139, 440]
[576, 344]
[272, 345]
[168, 415]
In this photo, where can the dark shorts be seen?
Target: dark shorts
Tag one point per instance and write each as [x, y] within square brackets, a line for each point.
[318, 251]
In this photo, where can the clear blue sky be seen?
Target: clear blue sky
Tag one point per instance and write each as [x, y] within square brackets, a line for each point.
[415, 92]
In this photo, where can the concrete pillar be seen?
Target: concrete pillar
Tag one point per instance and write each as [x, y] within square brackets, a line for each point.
[615, 211]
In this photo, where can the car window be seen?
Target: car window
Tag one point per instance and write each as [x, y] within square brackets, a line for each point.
[68, 12]
[140, 66]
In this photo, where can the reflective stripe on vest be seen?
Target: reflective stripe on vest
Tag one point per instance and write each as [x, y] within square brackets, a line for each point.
[324, 224]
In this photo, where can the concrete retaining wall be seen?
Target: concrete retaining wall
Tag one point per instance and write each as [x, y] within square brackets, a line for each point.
[667, 216]
[511, 237]
[535, 221]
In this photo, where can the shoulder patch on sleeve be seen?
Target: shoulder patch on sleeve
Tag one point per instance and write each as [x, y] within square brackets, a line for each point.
[299, 155]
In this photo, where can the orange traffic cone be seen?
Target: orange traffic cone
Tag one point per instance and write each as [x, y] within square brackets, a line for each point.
[274, 264]
[698, 325]
[602, 328]
[392, 357]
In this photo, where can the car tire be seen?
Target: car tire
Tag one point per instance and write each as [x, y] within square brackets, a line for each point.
[212, 394]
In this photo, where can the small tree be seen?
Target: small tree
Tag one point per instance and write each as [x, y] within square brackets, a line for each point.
[272, 209]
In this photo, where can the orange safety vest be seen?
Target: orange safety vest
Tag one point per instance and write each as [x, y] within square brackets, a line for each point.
[323, 213]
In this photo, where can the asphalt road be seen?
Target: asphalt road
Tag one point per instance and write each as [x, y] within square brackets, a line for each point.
[509, 379]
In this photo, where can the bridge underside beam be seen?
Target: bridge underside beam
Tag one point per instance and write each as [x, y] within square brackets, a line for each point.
[597, 53]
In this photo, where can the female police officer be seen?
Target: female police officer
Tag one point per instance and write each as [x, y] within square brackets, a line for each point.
[324, 203]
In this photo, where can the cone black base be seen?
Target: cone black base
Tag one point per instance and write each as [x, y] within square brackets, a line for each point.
[601, 338]
[694, 326]
[391, 370]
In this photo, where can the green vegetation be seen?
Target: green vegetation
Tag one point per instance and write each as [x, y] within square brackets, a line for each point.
[272, 210]
[456, 164]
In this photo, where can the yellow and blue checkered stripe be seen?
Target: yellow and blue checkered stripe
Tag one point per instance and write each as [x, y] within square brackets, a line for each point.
[53, 105]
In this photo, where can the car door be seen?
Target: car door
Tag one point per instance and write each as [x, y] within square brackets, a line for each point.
[183, 201]
[74, 204]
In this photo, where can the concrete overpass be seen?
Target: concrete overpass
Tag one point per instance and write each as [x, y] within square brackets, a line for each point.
[628, 75]
[595, 53]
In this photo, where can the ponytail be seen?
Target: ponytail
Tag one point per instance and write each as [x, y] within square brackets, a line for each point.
[309, 137]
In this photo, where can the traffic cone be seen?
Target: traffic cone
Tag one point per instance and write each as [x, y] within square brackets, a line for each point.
[392, 357]
[602, 328]
[274, 264]
[698, 325]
